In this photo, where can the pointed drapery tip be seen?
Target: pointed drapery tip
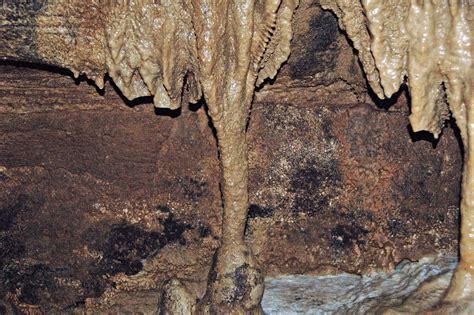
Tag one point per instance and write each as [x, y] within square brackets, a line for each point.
[99, 82]
[75, 73]
[161, 98]
[418, 125]
[388, 92]
[381, 95]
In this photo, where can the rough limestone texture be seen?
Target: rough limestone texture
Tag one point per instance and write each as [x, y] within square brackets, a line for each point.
[430, 44]
[173, 50]
[427, 42]
[374, 293]
[103, 199]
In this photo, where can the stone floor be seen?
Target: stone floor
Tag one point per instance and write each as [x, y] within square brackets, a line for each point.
[352, 294]
[306, 294]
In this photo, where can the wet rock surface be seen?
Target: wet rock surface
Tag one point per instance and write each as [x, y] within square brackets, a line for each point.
[97, 199]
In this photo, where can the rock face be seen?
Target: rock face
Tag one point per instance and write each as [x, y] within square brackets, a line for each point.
[430, 44]
[97, 198]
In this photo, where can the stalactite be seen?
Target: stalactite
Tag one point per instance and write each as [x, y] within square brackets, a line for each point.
[430, 43]
[179, 51]
[233, 39]
[151, 50]
[353, 21]
[219, 49]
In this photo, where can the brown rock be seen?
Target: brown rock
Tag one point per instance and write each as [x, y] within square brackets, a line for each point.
[97, 197]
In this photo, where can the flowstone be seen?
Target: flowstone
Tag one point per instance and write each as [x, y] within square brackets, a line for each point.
[180, 51]
[176, 51]
[431, 44]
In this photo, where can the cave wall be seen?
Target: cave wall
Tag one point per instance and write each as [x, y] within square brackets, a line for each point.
[100, 195]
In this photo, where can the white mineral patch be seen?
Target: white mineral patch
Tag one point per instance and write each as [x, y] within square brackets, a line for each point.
[352, 294]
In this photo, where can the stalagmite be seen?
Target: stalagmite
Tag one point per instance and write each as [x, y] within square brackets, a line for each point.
[233, 37]
[175, 51]
[180, 51]
[431, 44]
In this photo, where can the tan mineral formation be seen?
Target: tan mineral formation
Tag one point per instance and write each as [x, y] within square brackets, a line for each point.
[431, 44]
[179, 51]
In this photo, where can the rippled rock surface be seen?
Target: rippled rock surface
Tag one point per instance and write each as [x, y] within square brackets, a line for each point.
[348, 293]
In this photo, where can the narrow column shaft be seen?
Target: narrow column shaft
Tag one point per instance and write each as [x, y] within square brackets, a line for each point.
[233, 151]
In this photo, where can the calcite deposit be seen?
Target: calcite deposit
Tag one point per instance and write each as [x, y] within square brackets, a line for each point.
[172, 50]
[431, 44]
[181, 51]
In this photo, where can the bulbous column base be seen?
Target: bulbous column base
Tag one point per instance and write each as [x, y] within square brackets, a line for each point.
[235, 286]
[236, 283]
